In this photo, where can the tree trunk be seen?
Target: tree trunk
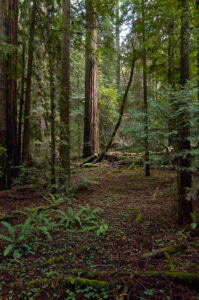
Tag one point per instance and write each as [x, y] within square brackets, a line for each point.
[184, 146]
[91, 119]
[65, 97]
[2, 103]
[11, 90]
[8, 94]
[146, 122]
[26, 156]
[50, 14]
[197, 7]
[117, 33]
[171, 82]
[23, 66]
[79, 120]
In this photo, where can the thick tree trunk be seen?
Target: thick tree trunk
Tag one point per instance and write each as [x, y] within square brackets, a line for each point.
[197, 8]
[145, 94]
[8, 97]
[50, 13]
[11, 90]
[23, 66]
[117, 33]
[184, 147]
[2, 104]
[91, 121]
[26, 156]
[65, 97]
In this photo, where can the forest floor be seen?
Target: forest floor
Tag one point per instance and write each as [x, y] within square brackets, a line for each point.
[141, 214]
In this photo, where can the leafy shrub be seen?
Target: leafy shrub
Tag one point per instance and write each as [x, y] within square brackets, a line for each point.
[85, 218]
[41, 221]
[16, 238]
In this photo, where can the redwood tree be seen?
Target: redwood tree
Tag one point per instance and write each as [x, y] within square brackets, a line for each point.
[50, 14]
[8, 91]
[145, 94]
[26, 157]
[184, 145]
[2, 103]
[65, 97]
[91, 119]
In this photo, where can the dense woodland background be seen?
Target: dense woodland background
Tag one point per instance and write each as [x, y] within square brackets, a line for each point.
[79, 78]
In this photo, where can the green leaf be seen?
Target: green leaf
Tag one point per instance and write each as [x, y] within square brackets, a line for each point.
[8, 249]
[70, 212]
[10, 228]
[45, 231]
[138, 218]
[193, 226]
[6, 238]
[194, 221]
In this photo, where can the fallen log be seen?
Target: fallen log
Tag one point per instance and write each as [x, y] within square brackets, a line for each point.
[159, 253]
[67, 282]
[112, 279]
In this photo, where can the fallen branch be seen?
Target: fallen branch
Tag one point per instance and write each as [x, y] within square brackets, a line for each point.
[101, 157]
[159, 253]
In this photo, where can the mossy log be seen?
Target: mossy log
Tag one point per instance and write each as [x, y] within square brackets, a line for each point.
[54, 260]
[90, 165]
[67, 282]
[159, 253]
[181, 277]
[113, 279]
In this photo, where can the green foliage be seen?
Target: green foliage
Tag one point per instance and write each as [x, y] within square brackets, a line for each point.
[85, 185]
[17, 236]
[54, 199]
[40, 221]
[138, 218]
[194, 221]
[85, 218]
[27, 175]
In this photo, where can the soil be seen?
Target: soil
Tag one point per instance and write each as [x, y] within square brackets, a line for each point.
[141, 214]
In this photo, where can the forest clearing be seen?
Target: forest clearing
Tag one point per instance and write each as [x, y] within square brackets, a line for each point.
[141, 216]
[99, 149]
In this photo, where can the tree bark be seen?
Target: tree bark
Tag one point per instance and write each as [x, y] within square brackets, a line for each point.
[184, 146]
[11, 90]
[145, 94]
[91, 119]
[171, 82]
[117, 33]
[2, 103]
[23, 65]
[26, 156]
[197, 8]
[50, 14]
[65, 97]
